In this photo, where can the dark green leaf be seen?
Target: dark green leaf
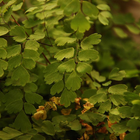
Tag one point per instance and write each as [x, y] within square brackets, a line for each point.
[133, 135]
[3, 42]
[120, 32]
[106, 106]
[75, 125]
[30, 87]
[29, 63]
[29, 108]
[125, 111]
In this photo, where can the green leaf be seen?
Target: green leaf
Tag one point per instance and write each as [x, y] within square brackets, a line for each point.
[81, 26]
[91, 40]
[29, 63]
[67, 97]
[117, 75]
[31, 54]
[83, 67]
[118, 89]
[120, 32]
[23, 78]
[101, 97]
[38, 34]
[15, 106]
[95, 75]
[3, 42]
[9, 133]
[114, 118]
[48, 128]
[25, 137]
[72, 7]
[32, 45]
[65, 53]
[125, 111]
[86, 55]
[103, 19]
[30, 87]
[133, 135]
[106, 106]
[19, 34]
[133, 29]
[33, 98]
[119, 128]
[17, 7]
[57, 87]
[3, 30]
[3, 53]
[53, 77]
[14, 62]
[67, 66]
[61, 41]
[13, 50]
[38, 137]
[89, 9]
[75, 125]
[31, 23]
[73, 82]
[88, 93]
[136, 110]
[3, 66]
[103, 7]
[22, 122]
[29, 108]
[117, 99]
[133, 124]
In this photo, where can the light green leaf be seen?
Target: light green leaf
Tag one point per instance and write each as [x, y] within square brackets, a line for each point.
[29, 108]
[33, 98]
[107, 83]
[83, 67]
[106, 106]
[48, 128]
[9, 133]
[65, 53]
[91, 40]
[15, 106]
[22, 122]
[19, 34]
[17, 7]
[103, 19]
[95, 75]
[89, 9]
[133, 29]
[30, 87]
[135, 135]
[133, 124]
[13, 50]
[3, 53]
[72, 7]
[125, 111]
[86, 55]
[120, 32]
[53, 77]
[117, 75]
[31, 54]
[118, 89]
[81, 26]
[73, 82]
[31, 9]
[101, 97]
[3, 66]
[61, 41]
[38, 34]
[3, 42]
[32, 45]
[29, 63]
[21, 79]
[67, 97]
[67, 66]
[57, 87]
[75, 125]
[103, 7]
[3, 30]
[117, 99]
[14, 62]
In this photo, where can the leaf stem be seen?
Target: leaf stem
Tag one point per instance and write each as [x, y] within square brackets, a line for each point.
[46, 58]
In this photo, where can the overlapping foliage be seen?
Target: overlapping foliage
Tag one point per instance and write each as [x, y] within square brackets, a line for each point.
[74, 61]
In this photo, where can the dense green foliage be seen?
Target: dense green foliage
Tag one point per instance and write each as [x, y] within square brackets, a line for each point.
[75, 62]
